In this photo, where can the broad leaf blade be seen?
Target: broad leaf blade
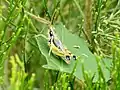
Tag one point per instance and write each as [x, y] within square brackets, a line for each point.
[70, 40]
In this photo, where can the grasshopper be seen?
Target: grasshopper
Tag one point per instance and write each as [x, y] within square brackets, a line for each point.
[57, 48]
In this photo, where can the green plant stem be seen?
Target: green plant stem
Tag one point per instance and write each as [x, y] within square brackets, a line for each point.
[79, 8]
[98, 7]
[88, 19]
[46, 10]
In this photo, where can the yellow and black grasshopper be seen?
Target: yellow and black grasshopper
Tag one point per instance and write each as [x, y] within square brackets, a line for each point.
[57, 48]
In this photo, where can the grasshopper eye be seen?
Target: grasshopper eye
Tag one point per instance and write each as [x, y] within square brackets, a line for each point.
[67, 57]
[74, 57]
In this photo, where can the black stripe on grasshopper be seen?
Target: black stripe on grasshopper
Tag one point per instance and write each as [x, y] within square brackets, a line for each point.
[51, 36]
[51, 33]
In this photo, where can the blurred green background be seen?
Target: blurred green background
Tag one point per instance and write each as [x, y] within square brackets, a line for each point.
[97, 22]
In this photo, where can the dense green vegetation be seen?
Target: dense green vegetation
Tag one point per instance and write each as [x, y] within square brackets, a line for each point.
[89, 29]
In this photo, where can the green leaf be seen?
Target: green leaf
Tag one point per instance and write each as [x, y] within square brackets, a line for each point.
[70, 40]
